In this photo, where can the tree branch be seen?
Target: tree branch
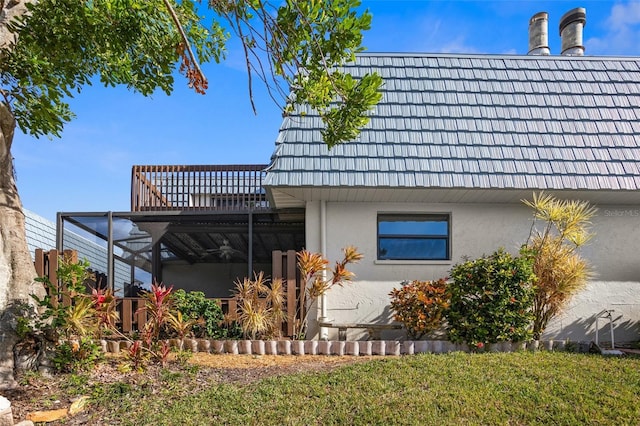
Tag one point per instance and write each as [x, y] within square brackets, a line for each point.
[185, 40]
[248, 61]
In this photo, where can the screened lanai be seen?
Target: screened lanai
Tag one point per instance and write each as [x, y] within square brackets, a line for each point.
[195, 227]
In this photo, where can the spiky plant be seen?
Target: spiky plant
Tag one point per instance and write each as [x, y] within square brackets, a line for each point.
[319, 278]
[560, 270]
[158, 304]
[180, 324]
[260, 306]
[254, 318]
[275, 300]
[104, 303]
[80, 318]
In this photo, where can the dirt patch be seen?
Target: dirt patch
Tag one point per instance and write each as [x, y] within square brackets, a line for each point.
[41, 393]
[244, 369]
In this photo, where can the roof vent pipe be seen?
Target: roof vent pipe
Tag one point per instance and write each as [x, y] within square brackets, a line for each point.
[539, 34]
[571, 26]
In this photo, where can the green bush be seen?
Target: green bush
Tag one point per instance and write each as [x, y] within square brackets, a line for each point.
[206, 312]
[78, 355]
[420, 306]
[491, 299]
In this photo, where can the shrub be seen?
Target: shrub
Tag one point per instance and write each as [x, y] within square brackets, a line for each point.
[260, 306]
[71, 318]
[491, 299]
[420, 306]
[318, 278]
[67, 311]
[206, 313]
[159, 306]
[560, 270]
[77, 355]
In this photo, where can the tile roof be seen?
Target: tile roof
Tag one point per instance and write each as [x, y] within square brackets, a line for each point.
[479, 122]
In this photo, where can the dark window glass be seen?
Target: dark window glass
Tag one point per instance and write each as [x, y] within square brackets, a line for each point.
[413, 237]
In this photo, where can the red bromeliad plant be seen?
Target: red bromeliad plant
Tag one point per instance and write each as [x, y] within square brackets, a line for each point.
[420, 306]
[319, 278]
[158, 305]
[73, 318]
[160, 309]
[104, 304]
[137, 356]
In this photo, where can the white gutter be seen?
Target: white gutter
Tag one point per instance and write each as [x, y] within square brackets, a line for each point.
[323, 331]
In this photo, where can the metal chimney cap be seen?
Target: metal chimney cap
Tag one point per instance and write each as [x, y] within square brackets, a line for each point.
[539, 16]
[579, 14]
[539, 34]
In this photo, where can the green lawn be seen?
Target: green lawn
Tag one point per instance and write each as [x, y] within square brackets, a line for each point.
[508, 389]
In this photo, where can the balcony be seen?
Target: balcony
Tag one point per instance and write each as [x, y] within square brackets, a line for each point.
[198, 188]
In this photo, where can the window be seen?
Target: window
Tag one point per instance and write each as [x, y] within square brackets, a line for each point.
[413, 237]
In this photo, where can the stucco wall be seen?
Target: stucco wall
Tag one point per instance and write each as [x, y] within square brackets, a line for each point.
[478, 229]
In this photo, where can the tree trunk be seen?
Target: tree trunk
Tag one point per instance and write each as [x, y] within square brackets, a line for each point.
[16, 266]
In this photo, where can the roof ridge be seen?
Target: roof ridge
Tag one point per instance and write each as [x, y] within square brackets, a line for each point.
[496, 55]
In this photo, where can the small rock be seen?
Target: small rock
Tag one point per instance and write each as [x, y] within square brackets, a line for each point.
[6, 415]
[4, 403]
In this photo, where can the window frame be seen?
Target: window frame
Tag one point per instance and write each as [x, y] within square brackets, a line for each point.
[414, 217]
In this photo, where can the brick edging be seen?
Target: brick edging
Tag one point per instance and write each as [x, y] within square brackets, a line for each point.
[351, 348]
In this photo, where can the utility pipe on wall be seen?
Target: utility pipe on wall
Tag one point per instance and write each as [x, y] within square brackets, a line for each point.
[323, 332]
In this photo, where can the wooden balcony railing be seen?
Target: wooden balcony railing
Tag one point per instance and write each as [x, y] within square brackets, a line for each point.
[231, 187]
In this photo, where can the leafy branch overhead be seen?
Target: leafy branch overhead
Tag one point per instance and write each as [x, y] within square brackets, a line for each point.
[295, 48]
[66, 44]
[305, 44]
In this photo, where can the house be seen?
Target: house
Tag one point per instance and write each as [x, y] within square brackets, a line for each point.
[437, 175]
[451, 150]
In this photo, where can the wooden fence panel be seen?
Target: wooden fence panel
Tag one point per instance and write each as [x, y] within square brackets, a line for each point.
[46, 264]
[285, 267]
[69, 256]
[140, 314]
[131, 310]
[126, 315]
[292, 289]
[52, 273]
[39, 262]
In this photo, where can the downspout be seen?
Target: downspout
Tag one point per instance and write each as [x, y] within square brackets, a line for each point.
[323, 331]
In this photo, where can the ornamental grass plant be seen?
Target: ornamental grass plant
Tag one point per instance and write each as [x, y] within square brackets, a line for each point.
[559, 229]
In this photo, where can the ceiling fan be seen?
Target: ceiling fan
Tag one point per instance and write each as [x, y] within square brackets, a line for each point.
[225, 251]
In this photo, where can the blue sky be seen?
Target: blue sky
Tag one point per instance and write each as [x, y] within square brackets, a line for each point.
[89, 168]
